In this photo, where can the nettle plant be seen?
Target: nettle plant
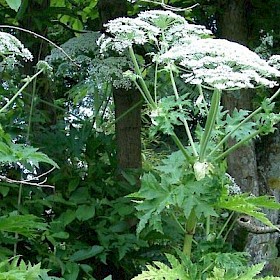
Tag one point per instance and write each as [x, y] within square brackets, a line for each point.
[191, 185]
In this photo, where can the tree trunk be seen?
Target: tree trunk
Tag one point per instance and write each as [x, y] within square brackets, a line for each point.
[268, 158]
[232, 24]
[128, 128]
[128, 132]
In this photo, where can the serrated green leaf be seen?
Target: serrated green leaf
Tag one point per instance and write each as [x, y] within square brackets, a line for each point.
[27, 225]
[252, 271]
[249, 205]
[233, 120]
[158, 271]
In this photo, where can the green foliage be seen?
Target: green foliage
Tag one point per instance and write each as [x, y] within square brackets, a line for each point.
[14, 4]
[166, 117]
[27, 225]
[17, 269]
[221, 266]
[183, 270]
[249, 205]
[234, 119]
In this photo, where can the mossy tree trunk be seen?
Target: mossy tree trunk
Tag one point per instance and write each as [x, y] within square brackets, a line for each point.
[250, 165]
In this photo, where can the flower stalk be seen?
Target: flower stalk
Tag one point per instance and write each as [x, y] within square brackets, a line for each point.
[144, 87]
[184, 121]
[227, 137]
[210, 123]
[190, 230]
[29, 80]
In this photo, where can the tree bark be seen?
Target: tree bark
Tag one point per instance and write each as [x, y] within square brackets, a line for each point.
[128, 128]
[128, 132]
[233, 24]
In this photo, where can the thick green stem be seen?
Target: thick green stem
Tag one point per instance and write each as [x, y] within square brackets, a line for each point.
[31, 109]
[148, 98]
[181, 147]
[186, 125]
[203, 99]
[226, 138]
[141, 80]
[237, 145]
[210, 122]
[208, 226]
[155, 83]
[190, 230]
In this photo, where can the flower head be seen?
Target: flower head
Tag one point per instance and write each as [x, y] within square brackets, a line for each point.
[11, 49]
[161, 19]
[221, 64]
[127, 31]
[10, 45]
[161, 28]
[84, 44]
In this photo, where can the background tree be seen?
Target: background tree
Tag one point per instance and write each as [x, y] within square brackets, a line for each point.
[128, 126]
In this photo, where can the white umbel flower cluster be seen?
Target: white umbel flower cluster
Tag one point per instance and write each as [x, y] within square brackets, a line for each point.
[84, 45]
[10, 45]
[127, 32]
[221, 64]
[160, 28]
[213, 63]
[11, 49]
[94, 67]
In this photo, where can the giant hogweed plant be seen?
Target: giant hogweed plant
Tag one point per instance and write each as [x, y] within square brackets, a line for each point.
[191, 185]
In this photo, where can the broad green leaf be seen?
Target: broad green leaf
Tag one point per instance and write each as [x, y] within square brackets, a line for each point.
[71, 271]
[73, 184]
[86, 253]
[4, 190]
[14, 4]
[85, 212]
[25, 154]
[252, 271]
[232, 121]
[67, 217]
[61, 235]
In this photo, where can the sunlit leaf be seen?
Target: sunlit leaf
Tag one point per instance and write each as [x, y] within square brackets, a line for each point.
[14, 4]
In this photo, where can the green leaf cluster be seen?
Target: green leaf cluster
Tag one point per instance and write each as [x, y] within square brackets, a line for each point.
[21, 153]
[26, 225]
[222, 266]
[249, 205]
[17, 269]
[173, 187]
